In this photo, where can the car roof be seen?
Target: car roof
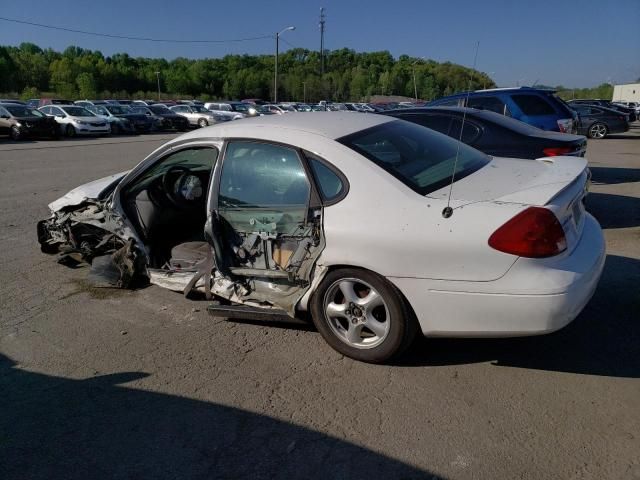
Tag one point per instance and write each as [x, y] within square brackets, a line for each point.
[501, 89]
[332, 125]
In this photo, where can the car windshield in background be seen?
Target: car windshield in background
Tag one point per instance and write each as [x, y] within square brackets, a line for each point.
[20, 111]
[77, 111]
[98, 110]
[240, 107]
[158, 109]
[118, 109]
[422, 159]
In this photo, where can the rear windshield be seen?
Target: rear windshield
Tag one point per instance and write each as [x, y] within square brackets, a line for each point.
[422, 159]
[77, 111]
[533, 105]
[118, 109]
[159, 109]
[508, 122]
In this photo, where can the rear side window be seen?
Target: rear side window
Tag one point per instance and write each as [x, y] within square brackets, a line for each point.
[533, 105]
[493, 104]
[331, 186]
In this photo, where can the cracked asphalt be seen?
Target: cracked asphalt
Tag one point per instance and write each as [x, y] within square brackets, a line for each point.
[114, 384]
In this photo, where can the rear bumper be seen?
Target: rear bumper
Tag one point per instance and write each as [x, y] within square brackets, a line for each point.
[534, 297]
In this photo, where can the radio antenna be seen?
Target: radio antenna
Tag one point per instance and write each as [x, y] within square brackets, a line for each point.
[448, 211]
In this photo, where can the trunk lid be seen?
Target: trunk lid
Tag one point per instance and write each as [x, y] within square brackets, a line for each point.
[530, 182]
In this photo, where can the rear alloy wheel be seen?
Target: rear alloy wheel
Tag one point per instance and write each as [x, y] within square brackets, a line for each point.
[70, 131]
[362, 316]
[203, 123]
[597, 130]
[14, 133]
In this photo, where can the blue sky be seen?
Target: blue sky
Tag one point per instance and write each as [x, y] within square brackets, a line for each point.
[575, 43]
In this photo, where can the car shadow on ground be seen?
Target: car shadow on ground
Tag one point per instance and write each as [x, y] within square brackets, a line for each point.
[53, 427]
[612, 176]
[603, 340]
[614, 211]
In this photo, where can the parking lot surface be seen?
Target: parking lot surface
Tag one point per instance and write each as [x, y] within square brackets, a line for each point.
[100, 383]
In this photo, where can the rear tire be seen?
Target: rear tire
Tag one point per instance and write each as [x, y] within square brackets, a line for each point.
[115, 129]
[362, 315]
[70, 131]
[597, 131]
[203, 123]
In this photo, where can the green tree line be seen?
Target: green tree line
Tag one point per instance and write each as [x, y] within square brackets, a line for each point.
[30, 71]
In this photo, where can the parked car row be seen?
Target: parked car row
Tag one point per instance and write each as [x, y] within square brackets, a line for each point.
[58, 117]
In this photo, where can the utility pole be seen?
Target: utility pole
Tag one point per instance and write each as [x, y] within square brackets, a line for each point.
[158, 77]
[275, 77]
[415, 86]
[304, 92]
[322, 22]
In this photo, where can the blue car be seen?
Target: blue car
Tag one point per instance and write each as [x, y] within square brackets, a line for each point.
[538, 107]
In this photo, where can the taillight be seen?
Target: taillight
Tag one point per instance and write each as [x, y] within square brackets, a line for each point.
[534, 232]
[555, 151]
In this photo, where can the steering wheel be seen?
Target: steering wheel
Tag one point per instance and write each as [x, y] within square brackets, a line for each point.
[185, 189]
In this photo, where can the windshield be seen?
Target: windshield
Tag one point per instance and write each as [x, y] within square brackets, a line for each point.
[159, 109]
[77, 111]
[118, 109]
[239, 107]
[22, 111]
[288, 108]
[98, 110]
[417, 156]
[140, 110]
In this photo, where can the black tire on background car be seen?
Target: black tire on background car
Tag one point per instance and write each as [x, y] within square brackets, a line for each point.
[597, 130]
[115, 129]
[70, 131]
[14, 133]
[362, 315]
[203, 123]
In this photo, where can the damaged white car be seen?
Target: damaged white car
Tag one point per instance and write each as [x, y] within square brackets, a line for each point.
[379, 227]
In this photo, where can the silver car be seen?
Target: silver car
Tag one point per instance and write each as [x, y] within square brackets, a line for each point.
[198, 115]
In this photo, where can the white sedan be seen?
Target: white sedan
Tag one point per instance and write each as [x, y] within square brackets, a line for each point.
[379, 227]
[76, 120]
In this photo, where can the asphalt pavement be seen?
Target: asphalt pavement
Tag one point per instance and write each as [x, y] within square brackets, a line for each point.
[118, 384]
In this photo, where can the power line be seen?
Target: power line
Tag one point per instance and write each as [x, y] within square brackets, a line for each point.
[126, 37]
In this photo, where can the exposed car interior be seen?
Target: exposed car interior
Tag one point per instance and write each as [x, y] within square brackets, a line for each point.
[168, 201]
[264, 227]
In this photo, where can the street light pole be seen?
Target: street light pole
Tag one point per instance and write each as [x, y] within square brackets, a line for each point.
[415, 86]
[158, 77]
[275, 77]
[304, 92]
